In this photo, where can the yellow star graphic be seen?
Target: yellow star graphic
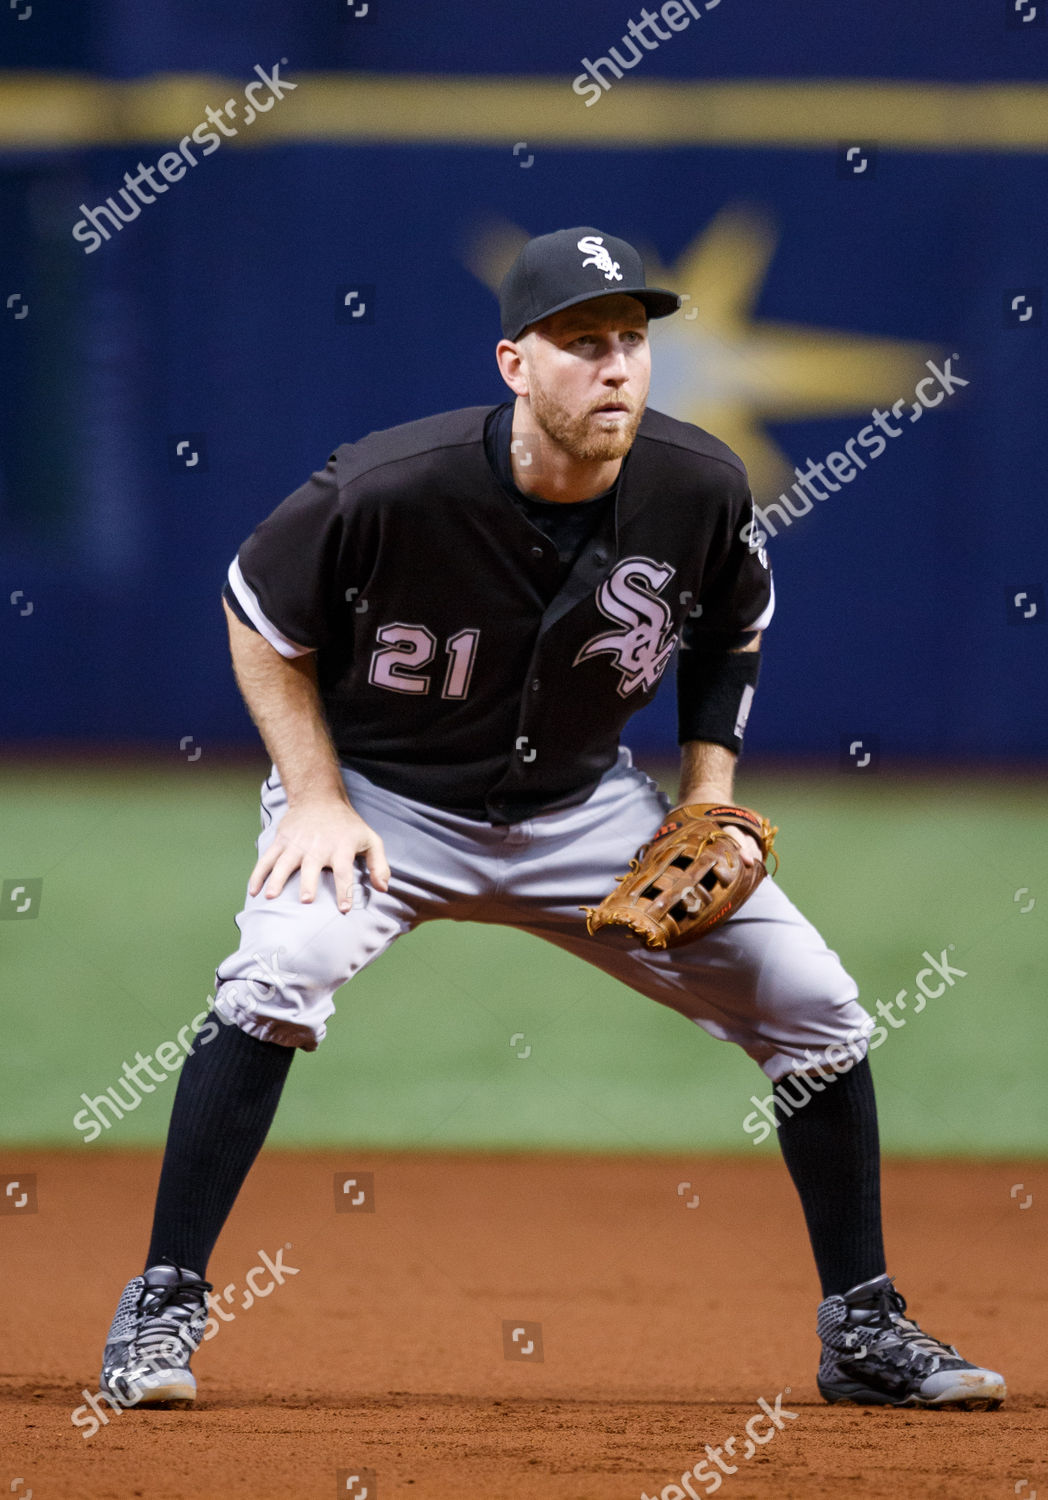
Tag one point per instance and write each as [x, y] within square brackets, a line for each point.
[714, 364]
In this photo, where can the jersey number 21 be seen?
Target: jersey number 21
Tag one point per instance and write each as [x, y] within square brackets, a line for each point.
[397, 664]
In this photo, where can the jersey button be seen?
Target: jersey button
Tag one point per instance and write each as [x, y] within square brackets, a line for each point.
[535, 684]
[600, 557]
[537, 552]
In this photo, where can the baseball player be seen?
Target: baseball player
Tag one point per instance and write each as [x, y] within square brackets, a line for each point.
[441, 636]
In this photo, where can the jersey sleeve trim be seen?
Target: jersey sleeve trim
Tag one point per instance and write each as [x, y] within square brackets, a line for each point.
[248, 601]
[763, 620]
[235, 605]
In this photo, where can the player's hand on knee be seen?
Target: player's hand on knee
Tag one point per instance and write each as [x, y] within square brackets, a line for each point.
[360, 841]
[318, 836]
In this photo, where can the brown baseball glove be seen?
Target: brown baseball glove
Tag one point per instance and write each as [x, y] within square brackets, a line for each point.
[689, 878]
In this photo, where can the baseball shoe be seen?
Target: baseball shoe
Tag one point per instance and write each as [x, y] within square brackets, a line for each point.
[156, 1330]
[874, 1356]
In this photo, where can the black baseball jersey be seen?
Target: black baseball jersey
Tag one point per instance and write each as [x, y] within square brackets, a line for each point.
[463, 657]
[566, 526]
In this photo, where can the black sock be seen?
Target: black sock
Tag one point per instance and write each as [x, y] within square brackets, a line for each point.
[832, 1149]
[224, 1105]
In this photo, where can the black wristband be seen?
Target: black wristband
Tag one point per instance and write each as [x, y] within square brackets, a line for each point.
[714, 694]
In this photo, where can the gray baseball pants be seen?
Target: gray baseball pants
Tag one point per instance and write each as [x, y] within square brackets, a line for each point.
[764, 979]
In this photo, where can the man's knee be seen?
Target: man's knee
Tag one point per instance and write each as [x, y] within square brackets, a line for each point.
[280, 999]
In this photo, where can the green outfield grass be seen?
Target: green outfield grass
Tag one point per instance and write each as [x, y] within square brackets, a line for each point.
[143, 868]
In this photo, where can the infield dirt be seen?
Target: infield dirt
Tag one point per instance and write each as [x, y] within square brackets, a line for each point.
[673, 1294]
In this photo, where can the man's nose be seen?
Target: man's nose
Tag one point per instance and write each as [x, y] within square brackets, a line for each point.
[614, 369]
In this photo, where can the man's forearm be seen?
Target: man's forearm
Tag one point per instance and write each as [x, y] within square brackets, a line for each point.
[282, 698]
[707, 772]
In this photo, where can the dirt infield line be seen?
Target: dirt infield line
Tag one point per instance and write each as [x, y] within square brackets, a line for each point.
[663, 1322]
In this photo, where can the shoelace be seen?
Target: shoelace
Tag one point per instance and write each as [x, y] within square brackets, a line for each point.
[906, 1340]
[167, 1328]
[914, 1345]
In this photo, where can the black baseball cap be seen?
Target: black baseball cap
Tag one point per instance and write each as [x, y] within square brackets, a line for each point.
[554, 271]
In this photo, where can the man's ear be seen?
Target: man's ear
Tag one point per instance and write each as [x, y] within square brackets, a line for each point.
[512, 365]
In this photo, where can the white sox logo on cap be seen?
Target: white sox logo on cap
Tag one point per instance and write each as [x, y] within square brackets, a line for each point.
[557, 270]
[593, 248]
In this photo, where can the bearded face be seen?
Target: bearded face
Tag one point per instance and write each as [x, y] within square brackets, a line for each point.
[588, 370]
[603, 431]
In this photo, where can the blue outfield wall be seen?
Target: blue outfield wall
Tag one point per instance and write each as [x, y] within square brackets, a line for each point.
[216, 319]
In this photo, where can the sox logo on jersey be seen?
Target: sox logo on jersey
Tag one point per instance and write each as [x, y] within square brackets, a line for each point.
[646, 644]
[597, 254]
